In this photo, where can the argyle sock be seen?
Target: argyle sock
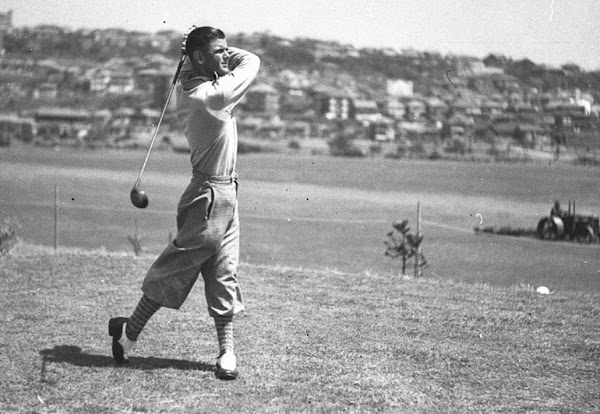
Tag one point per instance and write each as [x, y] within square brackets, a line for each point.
[142, 313]
[224, 325]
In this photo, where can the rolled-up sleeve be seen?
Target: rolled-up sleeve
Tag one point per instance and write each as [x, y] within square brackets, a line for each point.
[244, 68]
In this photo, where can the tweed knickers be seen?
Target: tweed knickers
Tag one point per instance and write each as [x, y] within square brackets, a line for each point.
[207, 243]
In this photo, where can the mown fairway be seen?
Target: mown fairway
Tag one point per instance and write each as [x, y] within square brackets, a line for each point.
[319, 212]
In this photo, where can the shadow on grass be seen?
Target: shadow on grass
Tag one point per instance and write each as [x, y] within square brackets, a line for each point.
[72, 355]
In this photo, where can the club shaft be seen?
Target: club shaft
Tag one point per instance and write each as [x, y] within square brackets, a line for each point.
[171, 89]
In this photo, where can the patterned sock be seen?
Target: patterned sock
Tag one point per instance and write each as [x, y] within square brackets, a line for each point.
[224, 325]
[142, 313]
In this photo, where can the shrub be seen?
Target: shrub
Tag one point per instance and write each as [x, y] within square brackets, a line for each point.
[375, 149]
[484, 134]
[8, 234]
[456, 147]
[402, 151]
[435, 155]
[507, 231]
[404, 244]
[342, 146]
[418, 148]
[246, 147]
[587, 160]
[294, 145]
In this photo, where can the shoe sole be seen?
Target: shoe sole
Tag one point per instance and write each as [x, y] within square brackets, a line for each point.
[226, 375]
[115, 329]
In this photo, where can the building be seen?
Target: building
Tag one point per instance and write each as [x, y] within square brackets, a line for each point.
[400, 88]
[13, 126]
[46, 91]
[491, 108]
[6, 26]
[61, 123]
[436, 109]
[121, 83]
[416, 109]
[382, 129]
[460, 126]
[332, 103]
[395, 109]
[99, 80]
[365, 111]
[156, 83]
[467, 106]
[296, 104]
[261, 100]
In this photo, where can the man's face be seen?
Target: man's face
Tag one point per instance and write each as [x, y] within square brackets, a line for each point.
[216, 59]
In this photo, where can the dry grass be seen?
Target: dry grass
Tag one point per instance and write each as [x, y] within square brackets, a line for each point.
[310, 341]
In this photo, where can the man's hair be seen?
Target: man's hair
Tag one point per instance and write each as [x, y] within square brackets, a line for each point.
[200, 38]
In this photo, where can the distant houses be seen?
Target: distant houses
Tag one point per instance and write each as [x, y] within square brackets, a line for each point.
[475, 99]
[302, 112]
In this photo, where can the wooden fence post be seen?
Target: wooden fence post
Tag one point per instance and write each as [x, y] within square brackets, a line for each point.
[56, 213]
[418, 252]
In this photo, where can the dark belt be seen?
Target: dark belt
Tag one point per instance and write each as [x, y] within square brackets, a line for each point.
[217, 179]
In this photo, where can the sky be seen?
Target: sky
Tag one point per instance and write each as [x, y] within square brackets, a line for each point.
[550, 32]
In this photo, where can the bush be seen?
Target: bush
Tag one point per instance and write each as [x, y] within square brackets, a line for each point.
[435, 155]
[586, 160]
[401, 152]
[456, 147]
[507, 231]
[375, 149]
[8, 234]
[342, 146]
[485, 134]
[418, 148]
[294, 145]
[404, 244]
[246, 147]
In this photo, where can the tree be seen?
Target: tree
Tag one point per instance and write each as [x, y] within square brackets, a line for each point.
[405, 245]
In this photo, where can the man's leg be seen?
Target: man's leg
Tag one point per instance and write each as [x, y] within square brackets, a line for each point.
[172, 275]
[140, 317]
[126, 331]
[203, 217]
[224, 325]
[224, 297]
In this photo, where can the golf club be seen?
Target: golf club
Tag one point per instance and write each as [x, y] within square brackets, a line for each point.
[138, 197]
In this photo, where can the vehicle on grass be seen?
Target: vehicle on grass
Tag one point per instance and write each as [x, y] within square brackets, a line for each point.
[567, 225]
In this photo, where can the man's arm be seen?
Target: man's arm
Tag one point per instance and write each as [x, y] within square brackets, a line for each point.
[244, 68]
[227, 90]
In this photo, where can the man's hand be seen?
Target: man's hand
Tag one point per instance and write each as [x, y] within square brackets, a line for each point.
[185, 37]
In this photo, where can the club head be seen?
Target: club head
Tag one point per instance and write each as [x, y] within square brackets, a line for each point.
[138, 197]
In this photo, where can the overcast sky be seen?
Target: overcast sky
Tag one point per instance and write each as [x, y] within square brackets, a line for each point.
[552, 32]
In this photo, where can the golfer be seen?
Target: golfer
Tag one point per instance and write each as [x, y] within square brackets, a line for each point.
[212, 81]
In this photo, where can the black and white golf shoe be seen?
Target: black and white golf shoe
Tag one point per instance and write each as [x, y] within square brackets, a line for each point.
[121, 345]
[226, 366]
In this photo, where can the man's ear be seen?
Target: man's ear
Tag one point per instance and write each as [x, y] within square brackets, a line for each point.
[198, 56]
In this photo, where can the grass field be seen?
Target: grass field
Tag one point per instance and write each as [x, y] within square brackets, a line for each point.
[310, 341]
[330, 325]
[319, 212]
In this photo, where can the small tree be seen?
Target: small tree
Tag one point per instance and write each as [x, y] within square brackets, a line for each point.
[138, 250]
[8, 234]
[405, 245]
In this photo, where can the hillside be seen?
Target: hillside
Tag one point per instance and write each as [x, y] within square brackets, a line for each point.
[363, 70]
[310, 341]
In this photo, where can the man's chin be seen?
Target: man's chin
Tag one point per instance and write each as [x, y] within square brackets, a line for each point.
[223, 71]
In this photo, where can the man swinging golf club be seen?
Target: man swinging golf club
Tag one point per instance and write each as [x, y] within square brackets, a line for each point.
[212, 81]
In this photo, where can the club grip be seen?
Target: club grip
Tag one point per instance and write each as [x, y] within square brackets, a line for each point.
[179, 66]
[184, 40]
